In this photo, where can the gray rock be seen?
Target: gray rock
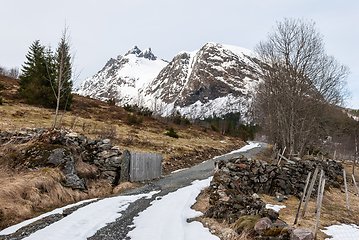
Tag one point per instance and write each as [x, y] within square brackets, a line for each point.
[115, 161]
[57, 156]
[106, 141]
[91, 142]
[109, 176]
[106, 146]
[279, 197]
[263, 224]
[64, 159]
[301, 234]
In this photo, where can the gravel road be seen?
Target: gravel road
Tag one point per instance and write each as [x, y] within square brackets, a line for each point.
[167, 184]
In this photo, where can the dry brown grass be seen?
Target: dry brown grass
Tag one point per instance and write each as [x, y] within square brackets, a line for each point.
[27, 194]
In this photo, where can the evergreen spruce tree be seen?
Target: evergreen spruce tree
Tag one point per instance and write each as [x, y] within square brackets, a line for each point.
[37, 78]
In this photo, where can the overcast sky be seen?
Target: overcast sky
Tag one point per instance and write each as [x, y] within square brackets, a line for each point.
[103, 29]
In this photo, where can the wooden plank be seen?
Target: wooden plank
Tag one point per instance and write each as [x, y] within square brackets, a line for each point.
[281, 155]
[319, 207]
[145, 166]
[346, 190]
[307, 198]
[301, 200]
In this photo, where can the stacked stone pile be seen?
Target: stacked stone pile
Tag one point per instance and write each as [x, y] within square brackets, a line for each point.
[57, 148]
[22, 136]
[245, 176]
[236, 182]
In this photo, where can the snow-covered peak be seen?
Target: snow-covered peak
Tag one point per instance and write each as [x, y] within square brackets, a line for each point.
[134, 50]
[147, 53]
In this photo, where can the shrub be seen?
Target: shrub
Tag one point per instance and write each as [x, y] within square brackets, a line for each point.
[172, 133]
[132, 118]
[1, 101]
[138, 110]
[176, 118]
[2, 86]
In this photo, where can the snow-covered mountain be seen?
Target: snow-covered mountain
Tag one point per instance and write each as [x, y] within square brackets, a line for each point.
[212, 81]
[122, 77]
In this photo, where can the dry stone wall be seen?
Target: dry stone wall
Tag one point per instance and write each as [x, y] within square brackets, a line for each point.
[57, 148]
[236, 182]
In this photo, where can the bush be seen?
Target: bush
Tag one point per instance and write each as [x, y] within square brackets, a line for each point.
[176, 118]
[138, 110]
[132, 118]
[172, 133]
[1, 101]
[2, 86]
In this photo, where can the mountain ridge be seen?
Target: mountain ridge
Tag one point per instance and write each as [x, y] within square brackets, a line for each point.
[211, 81]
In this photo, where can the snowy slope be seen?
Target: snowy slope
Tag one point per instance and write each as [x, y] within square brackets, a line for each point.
[122, 77]
[214, 80]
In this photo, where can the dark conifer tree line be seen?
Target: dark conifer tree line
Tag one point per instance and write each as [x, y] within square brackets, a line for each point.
[39, 80]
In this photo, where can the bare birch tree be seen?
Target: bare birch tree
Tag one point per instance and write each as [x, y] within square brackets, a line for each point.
[64, 74]
[298, 79]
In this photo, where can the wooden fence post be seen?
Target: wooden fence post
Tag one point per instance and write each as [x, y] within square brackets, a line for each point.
[355, 184]
[346, 190]
[281, 155]
[319, 206]
[307, 198]
[319, 185]
[125, 166]
[301, 200]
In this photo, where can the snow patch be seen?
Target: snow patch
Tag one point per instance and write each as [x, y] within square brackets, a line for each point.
[344, 231]
[85, 221]
[275, 207]
[16, 227]
[166, 218]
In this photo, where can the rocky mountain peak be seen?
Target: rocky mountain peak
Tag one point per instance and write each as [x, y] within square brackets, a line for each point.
[147, 53]
[134, 50]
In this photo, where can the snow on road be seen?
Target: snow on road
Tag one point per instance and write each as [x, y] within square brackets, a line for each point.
[243, 149]
[16, 227]
[84, 222]
[167, 217]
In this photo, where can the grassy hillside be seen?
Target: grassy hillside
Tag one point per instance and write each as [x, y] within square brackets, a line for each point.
[28, 193]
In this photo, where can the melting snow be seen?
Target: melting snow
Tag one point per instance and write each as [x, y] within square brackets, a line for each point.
[167, 218]
[344, 231]
[275, 207]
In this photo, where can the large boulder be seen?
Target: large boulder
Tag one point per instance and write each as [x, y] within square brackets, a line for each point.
[301, 234]
[263, 224]
[64, 160]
